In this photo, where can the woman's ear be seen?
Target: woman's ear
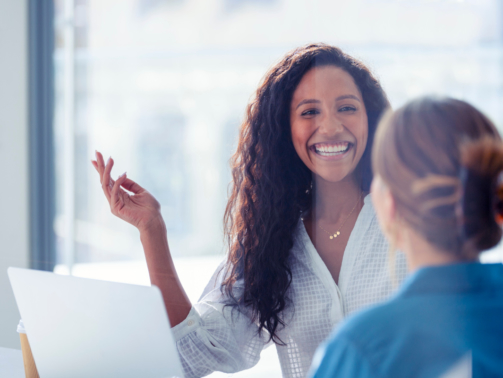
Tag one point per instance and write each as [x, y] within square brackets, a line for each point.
[384, 204]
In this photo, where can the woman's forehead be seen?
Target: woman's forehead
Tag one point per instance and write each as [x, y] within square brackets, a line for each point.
[325, 81]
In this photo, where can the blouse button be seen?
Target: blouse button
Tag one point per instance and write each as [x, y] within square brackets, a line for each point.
[190, 323]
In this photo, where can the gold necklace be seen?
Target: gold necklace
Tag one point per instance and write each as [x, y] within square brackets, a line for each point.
[338, 232]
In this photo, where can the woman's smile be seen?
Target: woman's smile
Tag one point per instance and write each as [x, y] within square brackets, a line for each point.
[332, 150]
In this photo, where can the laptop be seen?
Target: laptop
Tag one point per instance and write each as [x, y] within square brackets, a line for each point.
[79, 327]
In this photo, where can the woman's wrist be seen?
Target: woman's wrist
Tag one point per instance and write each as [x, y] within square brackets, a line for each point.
[154, 239]
[155, 225]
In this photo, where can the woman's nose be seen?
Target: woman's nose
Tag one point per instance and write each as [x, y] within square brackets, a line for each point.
[330, 126]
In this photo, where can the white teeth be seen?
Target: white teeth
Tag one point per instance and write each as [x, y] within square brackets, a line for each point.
[332, 150]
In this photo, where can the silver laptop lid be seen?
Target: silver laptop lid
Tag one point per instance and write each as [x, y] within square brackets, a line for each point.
[79, 327]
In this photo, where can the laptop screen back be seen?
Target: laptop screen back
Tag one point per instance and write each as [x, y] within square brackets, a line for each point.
[79, 327]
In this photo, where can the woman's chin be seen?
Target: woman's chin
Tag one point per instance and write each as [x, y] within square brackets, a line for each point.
[334, 177]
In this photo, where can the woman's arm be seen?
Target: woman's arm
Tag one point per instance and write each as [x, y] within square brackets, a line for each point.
[209, 337]
[142, 210]
[162, 271]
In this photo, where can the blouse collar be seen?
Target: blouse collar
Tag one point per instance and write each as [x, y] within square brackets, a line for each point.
[454, 278]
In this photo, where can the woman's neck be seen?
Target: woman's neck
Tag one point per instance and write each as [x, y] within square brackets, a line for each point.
[333, 200]
[421, 254]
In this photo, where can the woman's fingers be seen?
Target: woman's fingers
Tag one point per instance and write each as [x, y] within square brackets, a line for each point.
[127, 184]
[100, 166]
[99, 160]
[106, 182]
[132, 186]
[95, 165]
[111, 188]
[116, 195]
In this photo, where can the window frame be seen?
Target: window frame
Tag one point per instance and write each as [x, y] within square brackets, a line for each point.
[41, 134]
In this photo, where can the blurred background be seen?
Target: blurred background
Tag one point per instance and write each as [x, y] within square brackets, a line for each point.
[162, 86]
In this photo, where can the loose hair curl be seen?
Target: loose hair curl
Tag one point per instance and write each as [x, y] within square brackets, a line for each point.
[271, 185]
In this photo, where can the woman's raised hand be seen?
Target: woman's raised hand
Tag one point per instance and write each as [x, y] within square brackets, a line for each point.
[143, 211]
[139, 208]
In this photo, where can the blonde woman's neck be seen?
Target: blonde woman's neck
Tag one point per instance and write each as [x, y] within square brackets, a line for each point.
[420, 253]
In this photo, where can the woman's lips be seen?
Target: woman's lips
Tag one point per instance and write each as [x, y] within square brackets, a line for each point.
[331, 151]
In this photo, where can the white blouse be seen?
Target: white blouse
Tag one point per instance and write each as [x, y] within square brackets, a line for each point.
[218, 338]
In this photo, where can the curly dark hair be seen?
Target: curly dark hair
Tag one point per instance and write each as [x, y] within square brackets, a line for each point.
[271, 184]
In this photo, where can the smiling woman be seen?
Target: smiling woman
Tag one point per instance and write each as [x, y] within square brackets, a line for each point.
[329, 122]
[305, 249]
[329, 127]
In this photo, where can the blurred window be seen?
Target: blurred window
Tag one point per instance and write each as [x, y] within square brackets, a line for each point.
[162, 86]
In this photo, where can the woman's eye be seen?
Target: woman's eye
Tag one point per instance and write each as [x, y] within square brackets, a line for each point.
[347, 109]
[310, 112]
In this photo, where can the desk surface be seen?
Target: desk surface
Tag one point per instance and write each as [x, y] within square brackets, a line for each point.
[11, 363]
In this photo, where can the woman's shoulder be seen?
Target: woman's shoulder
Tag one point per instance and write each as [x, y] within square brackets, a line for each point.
[368, 328]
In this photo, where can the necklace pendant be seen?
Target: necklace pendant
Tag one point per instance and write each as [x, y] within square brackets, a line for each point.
[335, 235]
[331, 237]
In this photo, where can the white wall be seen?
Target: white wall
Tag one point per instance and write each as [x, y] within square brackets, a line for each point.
[14, 225]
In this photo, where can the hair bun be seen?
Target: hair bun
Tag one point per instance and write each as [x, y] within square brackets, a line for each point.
[498, 205]
[482, 201]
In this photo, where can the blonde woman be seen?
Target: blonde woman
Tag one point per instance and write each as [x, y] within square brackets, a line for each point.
[437, 191]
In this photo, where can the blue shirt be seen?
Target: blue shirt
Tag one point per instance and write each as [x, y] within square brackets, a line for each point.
[440, 315]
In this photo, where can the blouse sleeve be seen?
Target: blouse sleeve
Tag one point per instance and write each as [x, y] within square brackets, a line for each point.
[340, 358]
[215, 337]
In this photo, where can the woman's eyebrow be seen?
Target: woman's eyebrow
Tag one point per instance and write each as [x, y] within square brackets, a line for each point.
[344, 97]
[308, 101]
[314, 101]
